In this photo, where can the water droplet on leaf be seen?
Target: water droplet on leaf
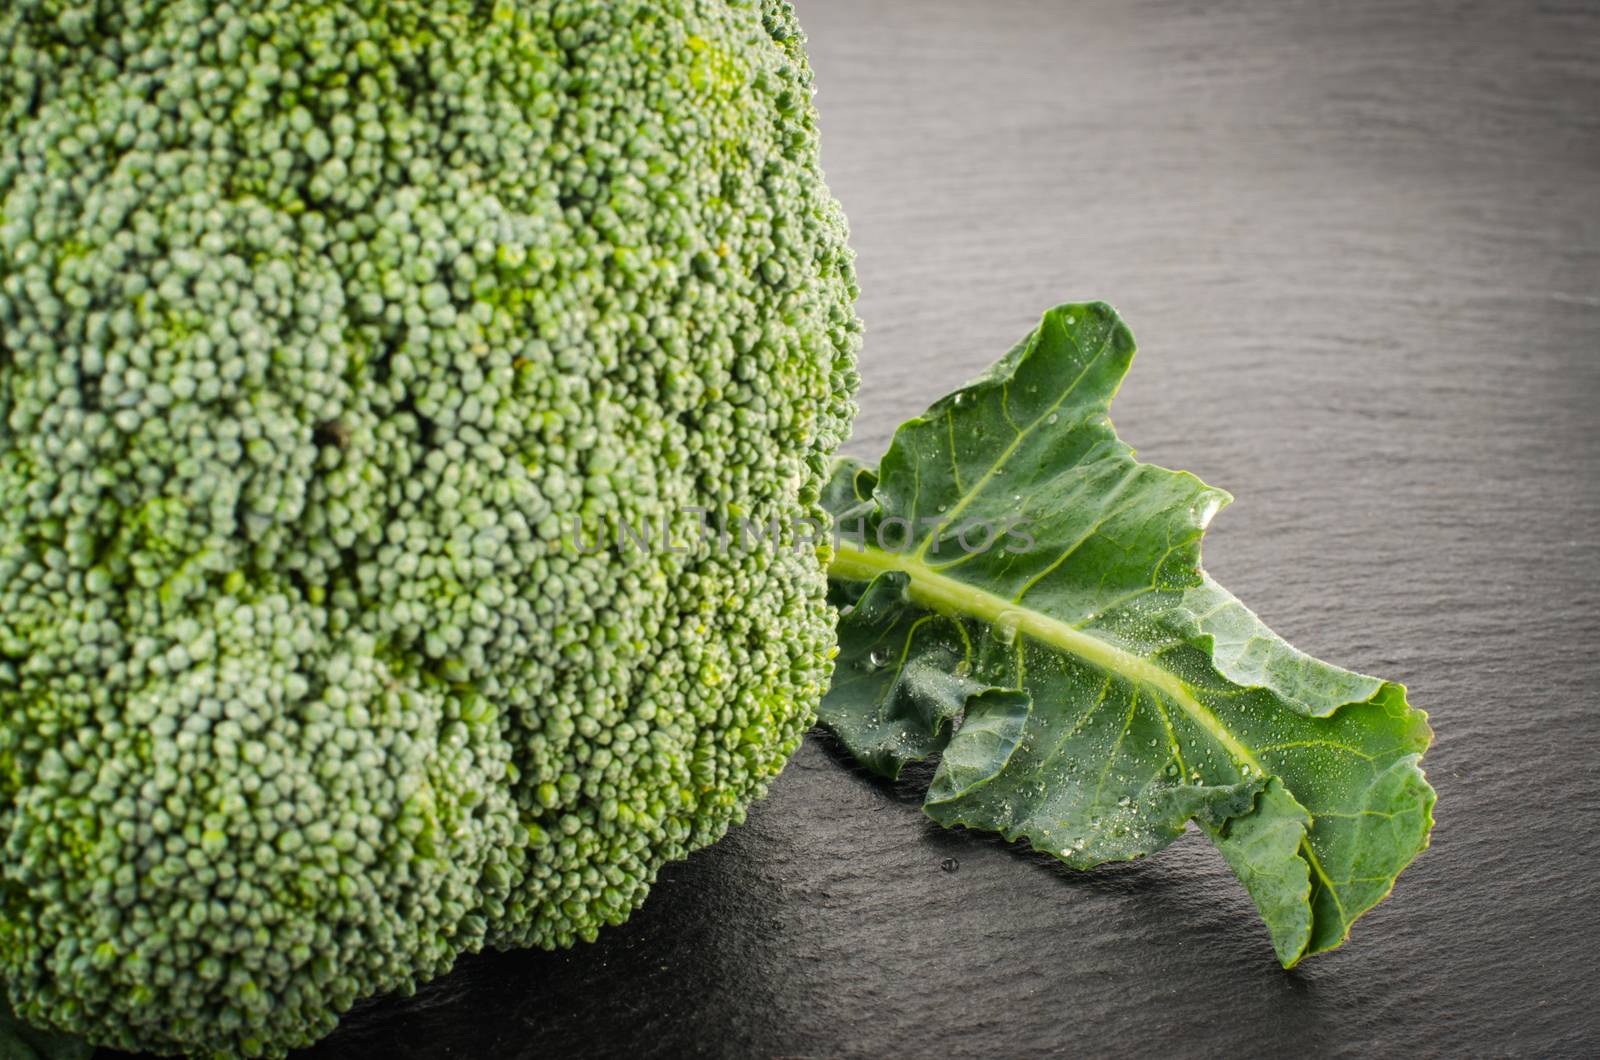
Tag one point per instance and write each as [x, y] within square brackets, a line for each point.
[1005, 627]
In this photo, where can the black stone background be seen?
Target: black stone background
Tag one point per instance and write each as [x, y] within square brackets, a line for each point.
[1360, 245]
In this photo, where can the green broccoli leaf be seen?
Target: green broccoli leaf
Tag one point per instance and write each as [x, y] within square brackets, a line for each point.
[1023, 597]
[19, 1041]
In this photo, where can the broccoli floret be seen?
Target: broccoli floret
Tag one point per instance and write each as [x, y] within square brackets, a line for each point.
[324, 326]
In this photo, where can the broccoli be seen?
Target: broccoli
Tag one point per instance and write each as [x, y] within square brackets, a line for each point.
[322, 324]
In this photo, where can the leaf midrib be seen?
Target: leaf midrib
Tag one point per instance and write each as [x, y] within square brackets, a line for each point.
[958, 599]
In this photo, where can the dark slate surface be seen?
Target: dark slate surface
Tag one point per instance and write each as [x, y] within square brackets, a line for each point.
[1360, 246]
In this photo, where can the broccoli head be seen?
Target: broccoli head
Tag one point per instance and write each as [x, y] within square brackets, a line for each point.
[324, 328]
